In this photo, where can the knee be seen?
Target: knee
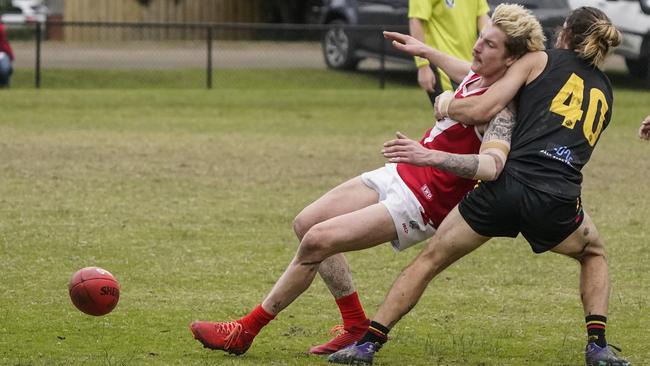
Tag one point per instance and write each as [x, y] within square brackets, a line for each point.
[591, 250]
[305, 220]
[434, 259]
[314, 244]
[429, 264]
[301, 224]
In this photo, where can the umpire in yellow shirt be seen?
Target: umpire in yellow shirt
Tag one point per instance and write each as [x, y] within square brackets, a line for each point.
[450, 26]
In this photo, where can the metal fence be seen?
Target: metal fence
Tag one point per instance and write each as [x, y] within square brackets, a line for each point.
[204, 54]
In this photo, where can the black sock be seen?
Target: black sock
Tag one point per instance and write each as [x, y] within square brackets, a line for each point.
[596, 329]
[376, 333]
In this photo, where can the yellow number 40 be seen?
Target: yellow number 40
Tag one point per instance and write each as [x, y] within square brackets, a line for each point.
[568, 104]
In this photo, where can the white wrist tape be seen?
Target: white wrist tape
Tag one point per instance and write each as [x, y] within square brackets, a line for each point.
[491, 159]
[444, 101]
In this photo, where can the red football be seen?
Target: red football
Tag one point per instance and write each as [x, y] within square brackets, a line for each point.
[94, 291]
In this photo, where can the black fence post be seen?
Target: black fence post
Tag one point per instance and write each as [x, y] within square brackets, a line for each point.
[37, 71]
[209, 76]
[382, 61]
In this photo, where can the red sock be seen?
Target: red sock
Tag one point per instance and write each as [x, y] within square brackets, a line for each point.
[351, 310]
[256, 319]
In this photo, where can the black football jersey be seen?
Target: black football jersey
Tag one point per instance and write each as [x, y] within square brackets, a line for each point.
[560, 118]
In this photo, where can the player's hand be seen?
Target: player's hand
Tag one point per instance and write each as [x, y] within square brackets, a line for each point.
[644, 130]
[405, 150]
[441, 104]
[426, 78]
[406, 43]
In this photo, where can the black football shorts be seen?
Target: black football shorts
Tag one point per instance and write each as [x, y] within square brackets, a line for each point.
[507, 207]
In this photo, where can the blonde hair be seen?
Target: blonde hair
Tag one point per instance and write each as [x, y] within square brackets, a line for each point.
[523, 31]
[591, 34]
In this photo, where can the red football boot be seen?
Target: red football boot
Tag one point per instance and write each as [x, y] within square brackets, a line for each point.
[344, 338]
[226, 336]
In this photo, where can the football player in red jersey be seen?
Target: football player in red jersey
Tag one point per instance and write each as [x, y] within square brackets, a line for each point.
[397, 203]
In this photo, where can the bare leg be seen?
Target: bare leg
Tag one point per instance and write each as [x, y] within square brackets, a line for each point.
[336, 274]
[453, 240]
[357, 230]
[586, 246]
[345, 198]
[365, 226]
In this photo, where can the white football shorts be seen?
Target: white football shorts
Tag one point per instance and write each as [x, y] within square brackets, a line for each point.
[402, 205]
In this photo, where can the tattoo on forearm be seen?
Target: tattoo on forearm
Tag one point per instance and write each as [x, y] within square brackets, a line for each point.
[464, 166]
[501, 126]
[498, 164]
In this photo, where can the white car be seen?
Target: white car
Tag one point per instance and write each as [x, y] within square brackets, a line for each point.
[632, 18]
[25, 11]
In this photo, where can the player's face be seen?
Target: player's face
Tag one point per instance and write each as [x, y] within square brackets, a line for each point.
[490, 55]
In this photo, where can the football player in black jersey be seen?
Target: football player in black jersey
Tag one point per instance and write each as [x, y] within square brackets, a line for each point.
[564, 102]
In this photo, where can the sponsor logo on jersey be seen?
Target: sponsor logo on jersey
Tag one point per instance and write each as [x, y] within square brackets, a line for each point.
[561, 153]
[427, 193]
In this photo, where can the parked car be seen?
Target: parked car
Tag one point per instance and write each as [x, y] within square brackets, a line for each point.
[346, 43]
[24, 11]
[355, 27]
[632, 18]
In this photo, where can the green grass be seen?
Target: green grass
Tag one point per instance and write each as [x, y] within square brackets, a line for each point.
[188, 198]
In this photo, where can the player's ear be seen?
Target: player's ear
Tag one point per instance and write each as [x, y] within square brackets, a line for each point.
[511, 60]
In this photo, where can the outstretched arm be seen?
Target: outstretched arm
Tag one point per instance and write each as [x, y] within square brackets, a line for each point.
[456, 69]
[426, 77]
[487, 165]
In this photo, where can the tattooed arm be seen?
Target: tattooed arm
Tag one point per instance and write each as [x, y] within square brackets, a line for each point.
[487, 165]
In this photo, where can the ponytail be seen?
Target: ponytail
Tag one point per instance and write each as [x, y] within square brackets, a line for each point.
[601, 37]
[590, 33]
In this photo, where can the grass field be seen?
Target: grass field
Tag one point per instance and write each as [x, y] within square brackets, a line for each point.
[188, 196]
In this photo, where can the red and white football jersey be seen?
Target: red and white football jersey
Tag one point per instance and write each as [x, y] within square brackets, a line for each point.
[436, 190]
